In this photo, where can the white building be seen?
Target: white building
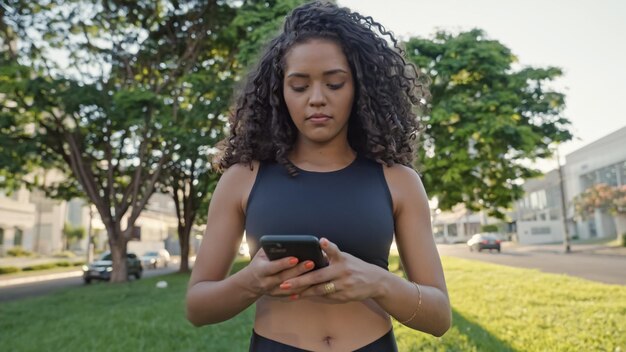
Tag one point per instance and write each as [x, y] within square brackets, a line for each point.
[602, 161]
[539, 216]
[34, 222]
[17, 219]
[458, 224]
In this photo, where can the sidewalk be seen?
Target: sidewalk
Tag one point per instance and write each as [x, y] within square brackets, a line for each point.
[25, 277]
[558, 248]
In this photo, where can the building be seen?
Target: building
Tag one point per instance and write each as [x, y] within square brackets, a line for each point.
[602, 161]
[458, 224]
[17, 219]
[538, 215]
[34, 222]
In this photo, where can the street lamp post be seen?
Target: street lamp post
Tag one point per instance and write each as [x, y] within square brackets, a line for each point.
[566, 243]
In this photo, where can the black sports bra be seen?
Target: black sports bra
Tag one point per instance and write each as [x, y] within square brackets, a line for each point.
[352, 207]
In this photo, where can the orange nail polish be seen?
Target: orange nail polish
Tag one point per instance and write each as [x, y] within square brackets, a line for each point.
[285, 285]
[309, 265]
[293, 261]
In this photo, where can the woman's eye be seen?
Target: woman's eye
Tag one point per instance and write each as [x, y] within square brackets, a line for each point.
[335, 86]
[298, 89]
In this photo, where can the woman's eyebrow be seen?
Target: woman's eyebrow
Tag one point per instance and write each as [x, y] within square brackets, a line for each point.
[326, 73]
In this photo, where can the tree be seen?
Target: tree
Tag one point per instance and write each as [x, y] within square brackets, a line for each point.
[606, 198]
[486, 120]
[101, 118]
[72, 234]
[205, 99]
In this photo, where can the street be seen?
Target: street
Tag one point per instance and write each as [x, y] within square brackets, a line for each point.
[610, 269]
[9, 293]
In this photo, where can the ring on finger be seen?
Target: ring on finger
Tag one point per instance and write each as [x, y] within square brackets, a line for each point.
[329, 288]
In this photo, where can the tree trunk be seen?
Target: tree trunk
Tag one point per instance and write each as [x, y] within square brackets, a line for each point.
[183, 237]
[118, 246]
[620, 225]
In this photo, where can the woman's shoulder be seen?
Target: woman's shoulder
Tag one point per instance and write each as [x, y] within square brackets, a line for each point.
[404, 185]
[400, 173]
[240, 173]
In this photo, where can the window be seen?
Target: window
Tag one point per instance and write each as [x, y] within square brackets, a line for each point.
[588, 180]
[545, 230]
[608, 175]
[17, 239]
[452, 230]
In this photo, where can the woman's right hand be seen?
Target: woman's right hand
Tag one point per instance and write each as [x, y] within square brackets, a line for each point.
[266, 276]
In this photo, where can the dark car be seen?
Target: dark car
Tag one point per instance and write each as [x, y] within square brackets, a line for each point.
[482, 241]
[101, 269]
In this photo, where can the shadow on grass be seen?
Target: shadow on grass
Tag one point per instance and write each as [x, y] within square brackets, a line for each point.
[482, 339]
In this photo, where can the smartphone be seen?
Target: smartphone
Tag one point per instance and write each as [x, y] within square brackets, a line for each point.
[303, 247]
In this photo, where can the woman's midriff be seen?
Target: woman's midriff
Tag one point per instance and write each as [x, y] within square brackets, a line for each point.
[316, 324]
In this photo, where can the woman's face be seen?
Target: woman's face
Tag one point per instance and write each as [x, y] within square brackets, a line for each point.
[318, 90]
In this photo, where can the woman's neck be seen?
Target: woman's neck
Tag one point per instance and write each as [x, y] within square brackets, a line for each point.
[322, 157]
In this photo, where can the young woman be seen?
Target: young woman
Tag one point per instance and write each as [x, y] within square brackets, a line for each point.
[321, 144]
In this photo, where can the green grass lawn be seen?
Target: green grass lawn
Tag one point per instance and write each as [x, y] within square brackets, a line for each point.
[495, 308]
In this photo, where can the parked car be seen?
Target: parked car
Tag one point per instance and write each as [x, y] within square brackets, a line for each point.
[101, 269]
[155, 259]
[482, 241]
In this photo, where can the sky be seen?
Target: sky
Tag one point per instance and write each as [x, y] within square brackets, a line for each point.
[587, 39]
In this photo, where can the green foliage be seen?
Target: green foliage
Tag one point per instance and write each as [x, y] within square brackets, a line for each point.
[44, 266]
[8, 269]
[489, 228]
[624, 240]
[486, 119]
[18, 251]
[64, 254]
[73, 233]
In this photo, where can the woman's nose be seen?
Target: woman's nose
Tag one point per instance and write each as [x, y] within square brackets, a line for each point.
[317, 96]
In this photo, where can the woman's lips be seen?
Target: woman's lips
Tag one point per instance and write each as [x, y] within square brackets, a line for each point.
[318, 118]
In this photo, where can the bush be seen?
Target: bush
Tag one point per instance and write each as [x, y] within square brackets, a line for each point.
[624, 240]
[18, 252]
[8, 269]
[65, 254]
[489, 228]
[63, 264]
[39, 267]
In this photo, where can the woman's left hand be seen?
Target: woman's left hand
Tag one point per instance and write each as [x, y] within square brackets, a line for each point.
[345, 279]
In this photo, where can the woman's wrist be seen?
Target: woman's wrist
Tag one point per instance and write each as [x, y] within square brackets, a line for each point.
[243, 279]
[383, 279]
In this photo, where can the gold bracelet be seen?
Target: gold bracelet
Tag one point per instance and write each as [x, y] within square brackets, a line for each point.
[419, 304]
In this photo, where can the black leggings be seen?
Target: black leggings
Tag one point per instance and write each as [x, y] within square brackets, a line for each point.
[258, 343]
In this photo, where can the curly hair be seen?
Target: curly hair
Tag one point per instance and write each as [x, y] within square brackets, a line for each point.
[388, 92]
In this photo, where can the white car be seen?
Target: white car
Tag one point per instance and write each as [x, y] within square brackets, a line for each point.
[155, 259]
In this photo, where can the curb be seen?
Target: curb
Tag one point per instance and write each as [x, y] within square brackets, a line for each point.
[27, 280]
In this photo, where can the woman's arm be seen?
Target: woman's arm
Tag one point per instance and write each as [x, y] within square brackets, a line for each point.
[419, 256]
[212, 295]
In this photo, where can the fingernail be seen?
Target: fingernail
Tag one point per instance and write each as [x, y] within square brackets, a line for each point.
[293, 261]
[324, 243]
[285, 285]
[309, 265]
[293, 297]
